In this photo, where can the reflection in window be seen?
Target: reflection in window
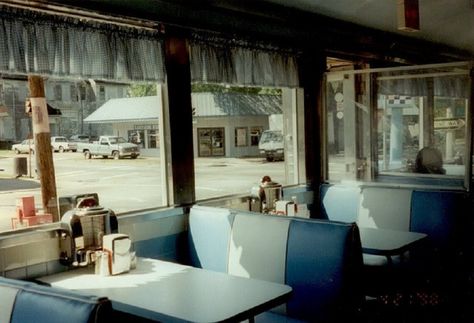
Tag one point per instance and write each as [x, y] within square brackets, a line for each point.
[419, 115]
[424, 112]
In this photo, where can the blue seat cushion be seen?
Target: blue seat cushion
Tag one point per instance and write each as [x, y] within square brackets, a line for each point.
[438, 214]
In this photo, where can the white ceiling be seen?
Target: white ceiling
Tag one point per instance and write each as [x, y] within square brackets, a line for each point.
[449, 22]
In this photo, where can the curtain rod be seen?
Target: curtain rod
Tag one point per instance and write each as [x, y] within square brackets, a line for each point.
[65, 11]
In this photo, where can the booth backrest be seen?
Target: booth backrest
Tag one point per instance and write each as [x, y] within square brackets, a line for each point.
[404, 209]
[440, 215]
[339, 203]
[213, 227]
[25, 302]
[377, 207]
[319, 259]
[385, 208]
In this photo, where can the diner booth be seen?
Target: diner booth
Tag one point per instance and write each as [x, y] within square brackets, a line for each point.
[359, 233]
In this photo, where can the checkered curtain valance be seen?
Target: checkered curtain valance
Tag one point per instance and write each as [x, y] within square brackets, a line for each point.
[36, 43]
[238, 62]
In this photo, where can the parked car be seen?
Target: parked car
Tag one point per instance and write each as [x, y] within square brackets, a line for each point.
[79, 138]
[61, 144]
[25, 147]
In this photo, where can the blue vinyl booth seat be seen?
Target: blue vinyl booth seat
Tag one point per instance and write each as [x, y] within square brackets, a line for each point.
[320, 260]
[441, 214]
[27, 302]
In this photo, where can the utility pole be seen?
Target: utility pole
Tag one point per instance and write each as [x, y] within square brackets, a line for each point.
[44, 155]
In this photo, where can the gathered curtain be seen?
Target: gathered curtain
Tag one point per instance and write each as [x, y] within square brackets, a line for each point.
[443, 83]
[37, 43]
[234, 62]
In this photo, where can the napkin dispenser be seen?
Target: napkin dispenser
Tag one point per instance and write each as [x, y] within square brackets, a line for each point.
[82, 230]
[117, 246]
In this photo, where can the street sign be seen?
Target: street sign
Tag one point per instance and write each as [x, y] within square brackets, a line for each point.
[448, 123]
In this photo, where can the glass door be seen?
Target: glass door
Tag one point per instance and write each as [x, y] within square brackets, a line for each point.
[211, 142]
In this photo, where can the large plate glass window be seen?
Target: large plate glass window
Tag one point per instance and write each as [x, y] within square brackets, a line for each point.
[419, 129]
[245, 89]
[124, 185]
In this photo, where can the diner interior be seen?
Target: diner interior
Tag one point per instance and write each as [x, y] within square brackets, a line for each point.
[369, 219]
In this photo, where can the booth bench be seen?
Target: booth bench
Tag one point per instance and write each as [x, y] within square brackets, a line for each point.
[440, 214]
[320, 260]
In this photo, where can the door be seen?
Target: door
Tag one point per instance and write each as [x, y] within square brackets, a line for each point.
[211, 142]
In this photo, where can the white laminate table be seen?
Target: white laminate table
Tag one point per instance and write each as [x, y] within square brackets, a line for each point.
[388, 242]
[166, 291]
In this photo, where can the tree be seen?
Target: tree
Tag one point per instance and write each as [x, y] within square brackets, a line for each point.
[221, 88]
[138, 90]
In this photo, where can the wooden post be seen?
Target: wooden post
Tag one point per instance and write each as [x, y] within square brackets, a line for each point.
[43, 152]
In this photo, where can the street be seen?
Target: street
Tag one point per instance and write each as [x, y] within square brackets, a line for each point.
[129, 184]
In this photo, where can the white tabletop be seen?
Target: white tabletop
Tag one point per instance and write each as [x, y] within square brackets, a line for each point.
[388, 242]
[161, 290]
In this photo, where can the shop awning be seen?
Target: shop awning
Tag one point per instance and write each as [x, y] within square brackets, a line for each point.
[126, 110]
[53, 111]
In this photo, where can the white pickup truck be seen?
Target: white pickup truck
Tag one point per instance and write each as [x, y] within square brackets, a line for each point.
[110, 146]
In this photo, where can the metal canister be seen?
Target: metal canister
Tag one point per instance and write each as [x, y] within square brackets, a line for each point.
[272, 194]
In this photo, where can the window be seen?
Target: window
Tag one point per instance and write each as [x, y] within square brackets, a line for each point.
[414, 132]
[211, 142]
[137, 137]
[228, 157]
[153, 139]
[100, 64]
[240, 137]
[58, 92]
[101, 174]
[101, 93]
[255, 133]
[74, 92]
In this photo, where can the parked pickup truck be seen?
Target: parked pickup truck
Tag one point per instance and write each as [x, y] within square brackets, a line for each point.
[113, 146]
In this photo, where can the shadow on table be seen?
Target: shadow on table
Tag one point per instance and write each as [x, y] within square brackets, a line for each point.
[8, 184]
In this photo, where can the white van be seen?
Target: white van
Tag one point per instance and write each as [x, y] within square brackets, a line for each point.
[271, 145]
